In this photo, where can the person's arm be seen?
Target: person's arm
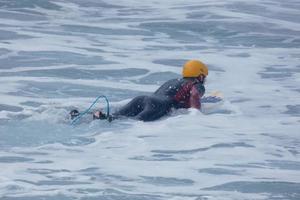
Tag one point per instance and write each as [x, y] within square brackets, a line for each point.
[197, 92]
[195, 98]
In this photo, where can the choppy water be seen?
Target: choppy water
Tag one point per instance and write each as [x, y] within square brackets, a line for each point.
[60, 54]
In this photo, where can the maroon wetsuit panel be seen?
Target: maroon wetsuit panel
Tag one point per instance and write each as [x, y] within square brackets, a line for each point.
[184, 93]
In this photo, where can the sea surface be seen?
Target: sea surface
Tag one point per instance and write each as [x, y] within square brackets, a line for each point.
[57, 55]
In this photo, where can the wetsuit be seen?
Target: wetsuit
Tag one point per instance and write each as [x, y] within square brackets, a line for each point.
[175, 93]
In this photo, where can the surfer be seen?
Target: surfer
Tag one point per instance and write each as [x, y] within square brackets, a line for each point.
[184, 92]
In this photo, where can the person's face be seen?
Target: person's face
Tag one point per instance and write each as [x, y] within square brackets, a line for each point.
[202, 78]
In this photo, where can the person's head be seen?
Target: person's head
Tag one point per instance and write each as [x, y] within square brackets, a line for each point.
[195, 69]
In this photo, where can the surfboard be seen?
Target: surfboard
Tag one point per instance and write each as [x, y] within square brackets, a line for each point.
[211, 102]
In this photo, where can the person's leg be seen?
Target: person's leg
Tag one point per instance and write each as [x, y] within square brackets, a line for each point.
[154, 109]
[133, 108]
[74, 113]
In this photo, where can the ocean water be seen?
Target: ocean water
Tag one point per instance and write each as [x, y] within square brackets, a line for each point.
[56, 55]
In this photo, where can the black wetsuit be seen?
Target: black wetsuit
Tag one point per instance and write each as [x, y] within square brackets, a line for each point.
[174, 93]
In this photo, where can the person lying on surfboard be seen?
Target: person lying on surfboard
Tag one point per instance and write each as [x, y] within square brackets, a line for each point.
[185, 92]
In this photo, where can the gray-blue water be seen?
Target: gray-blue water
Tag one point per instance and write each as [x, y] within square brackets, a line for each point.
[56, 55]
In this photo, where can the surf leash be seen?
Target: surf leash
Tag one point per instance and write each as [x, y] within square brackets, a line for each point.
[74, 121]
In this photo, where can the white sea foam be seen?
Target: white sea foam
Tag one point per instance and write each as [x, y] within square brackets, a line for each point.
[245, 148]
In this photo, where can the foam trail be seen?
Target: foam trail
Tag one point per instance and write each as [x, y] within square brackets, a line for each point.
[59, 55]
